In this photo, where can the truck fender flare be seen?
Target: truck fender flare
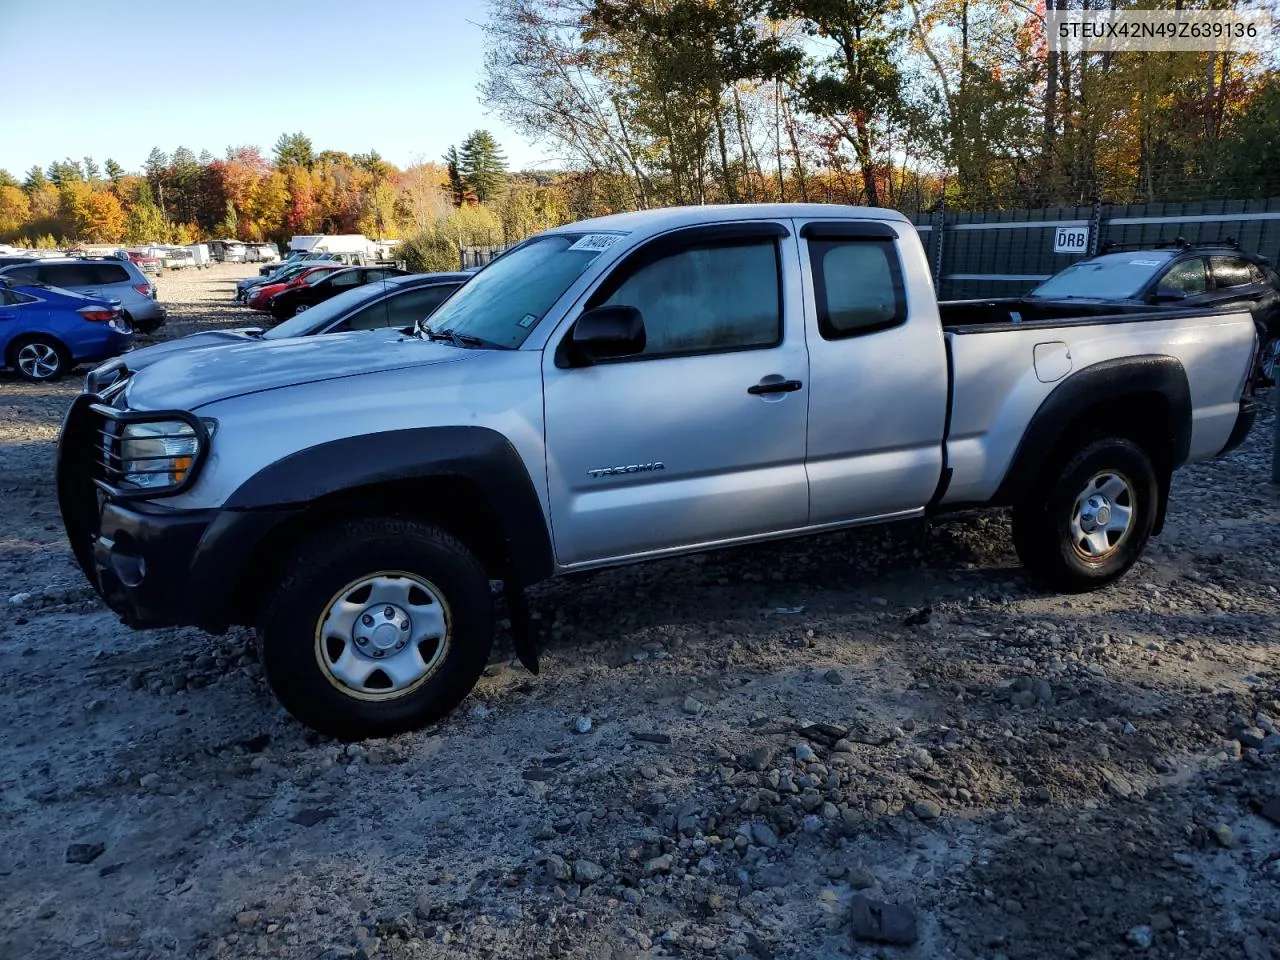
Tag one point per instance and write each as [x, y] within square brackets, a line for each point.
[479, 455]
[1102, 384]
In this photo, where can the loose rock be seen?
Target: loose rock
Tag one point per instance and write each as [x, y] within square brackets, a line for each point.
[880, 922]
[85, 852]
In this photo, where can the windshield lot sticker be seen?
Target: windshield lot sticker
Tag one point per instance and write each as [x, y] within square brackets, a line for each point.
[1144, 263]
[527, 320]
[595, 241]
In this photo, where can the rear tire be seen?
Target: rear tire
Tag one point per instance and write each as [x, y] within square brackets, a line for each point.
[378, 626]
[1269, 362]
[1090, 517]
[39, 359]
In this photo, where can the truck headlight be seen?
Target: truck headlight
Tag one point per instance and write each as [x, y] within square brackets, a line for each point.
[159, 453]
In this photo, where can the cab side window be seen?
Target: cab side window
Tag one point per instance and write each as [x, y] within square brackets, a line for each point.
[709, 297]
[1187, 276]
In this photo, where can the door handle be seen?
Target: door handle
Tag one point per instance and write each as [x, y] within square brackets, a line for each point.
[776, 386]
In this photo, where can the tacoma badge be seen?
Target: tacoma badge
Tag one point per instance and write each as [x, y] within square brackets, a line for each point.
[632, 468]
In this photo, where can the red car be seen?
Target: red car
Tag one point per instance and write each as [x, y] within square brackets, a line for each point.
[261, 299]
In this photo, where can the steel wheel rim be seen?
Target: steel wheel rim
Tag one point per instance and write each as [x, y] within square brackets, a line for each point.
[383, 635]
[39, 361]
[1102, 516]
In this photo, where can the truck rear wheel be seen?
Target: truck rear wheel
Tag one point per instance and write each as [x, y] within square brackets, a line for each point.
[378, 626]
[1090, 518]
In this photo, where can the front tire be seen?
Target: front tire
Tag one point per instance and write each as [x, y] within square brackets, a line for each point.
[1090, 517]
[378, 626]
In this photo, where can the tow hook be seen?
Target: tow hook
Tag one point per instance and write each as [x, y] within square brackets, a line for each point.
[523, 634]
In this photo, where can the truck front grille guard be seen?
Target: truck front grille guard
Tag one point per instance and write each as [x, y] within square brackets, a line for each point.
[91, 446]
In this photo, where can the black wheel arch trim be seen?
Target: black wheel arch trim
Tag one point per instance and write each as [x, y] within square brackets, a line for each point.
[480, 455]
[1108, 381]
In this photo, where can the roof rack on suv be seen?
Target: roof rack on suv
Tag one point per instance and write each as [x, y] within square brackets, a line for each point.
[1178, 242]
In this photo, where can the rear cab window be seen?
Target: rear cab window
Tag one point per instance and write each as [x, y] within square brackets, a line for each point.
[858, 285]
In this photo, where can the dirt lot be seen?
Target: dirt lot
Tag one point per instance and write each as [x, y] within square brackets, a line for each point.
[770, 734]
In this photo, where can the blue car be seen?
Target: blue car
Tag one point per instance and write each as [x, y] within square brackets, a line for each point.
[45, 331]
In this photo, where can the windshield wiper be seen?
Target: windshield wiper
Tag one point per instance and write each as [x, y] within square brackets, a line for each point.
[457, 339]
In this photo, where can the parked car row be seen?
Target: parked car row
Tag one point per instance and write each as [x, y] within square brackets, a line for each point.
[298, 286]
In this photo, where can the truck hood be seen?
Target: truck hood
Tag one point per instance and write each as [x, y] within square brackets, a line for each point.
[188, 379]
[146, 356]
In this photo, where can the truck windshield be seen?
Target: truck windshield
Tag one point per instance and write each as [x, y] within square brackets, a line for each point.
[1114, 277]
[503, 303]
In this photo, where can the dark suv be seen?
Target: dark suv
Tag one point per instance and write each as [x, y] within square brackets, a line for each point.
[1171, 276]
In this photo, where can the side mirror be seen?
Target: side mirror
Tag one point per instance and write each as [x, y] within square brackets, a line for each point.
[1168, 295]
[608, 332]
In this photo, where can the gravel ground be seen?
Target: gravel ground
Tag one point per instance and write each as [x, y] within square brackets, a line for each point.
[746, 755]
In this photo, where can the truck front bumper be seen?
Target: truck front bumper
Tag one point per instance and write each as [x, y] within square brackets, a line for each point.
[154, 565]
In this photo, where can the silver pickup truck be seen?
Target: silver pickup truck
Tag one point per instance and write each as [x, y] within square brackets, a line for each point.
[631, 387]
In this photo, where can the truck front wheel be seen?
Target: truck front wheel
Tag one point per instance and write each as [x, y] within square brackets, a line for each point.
[1089, 519]
[378, 626]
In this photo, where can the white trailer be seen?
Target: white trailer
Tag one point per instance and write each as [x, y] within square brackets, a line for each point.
[200, 256]
[356, 243]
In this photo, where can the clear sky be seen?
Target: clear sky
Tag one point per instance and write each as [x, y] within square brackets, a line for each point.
[88, 77]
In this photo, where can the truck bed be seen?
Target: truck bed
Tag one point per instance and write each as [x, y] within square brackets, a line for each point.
[1002, 371]
[976, 313]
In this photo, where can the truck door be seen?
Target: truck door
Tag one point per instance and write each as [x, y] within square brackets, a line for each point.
[877, 368]
[699, 439]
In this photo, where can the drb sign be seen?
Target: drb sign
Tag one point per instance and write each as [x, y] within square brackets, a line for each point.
[1070, 239]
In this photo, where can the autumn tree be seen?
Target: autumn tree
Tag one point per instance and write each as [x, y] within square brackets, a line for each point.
[422, 195]
[7, 179]
[105, 220]
[374, 164]
[114, 170]
[15, 211]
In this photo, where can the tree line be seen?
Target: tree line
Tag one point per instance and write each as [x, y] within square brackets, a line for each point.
[883, 102]
[467, 198]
